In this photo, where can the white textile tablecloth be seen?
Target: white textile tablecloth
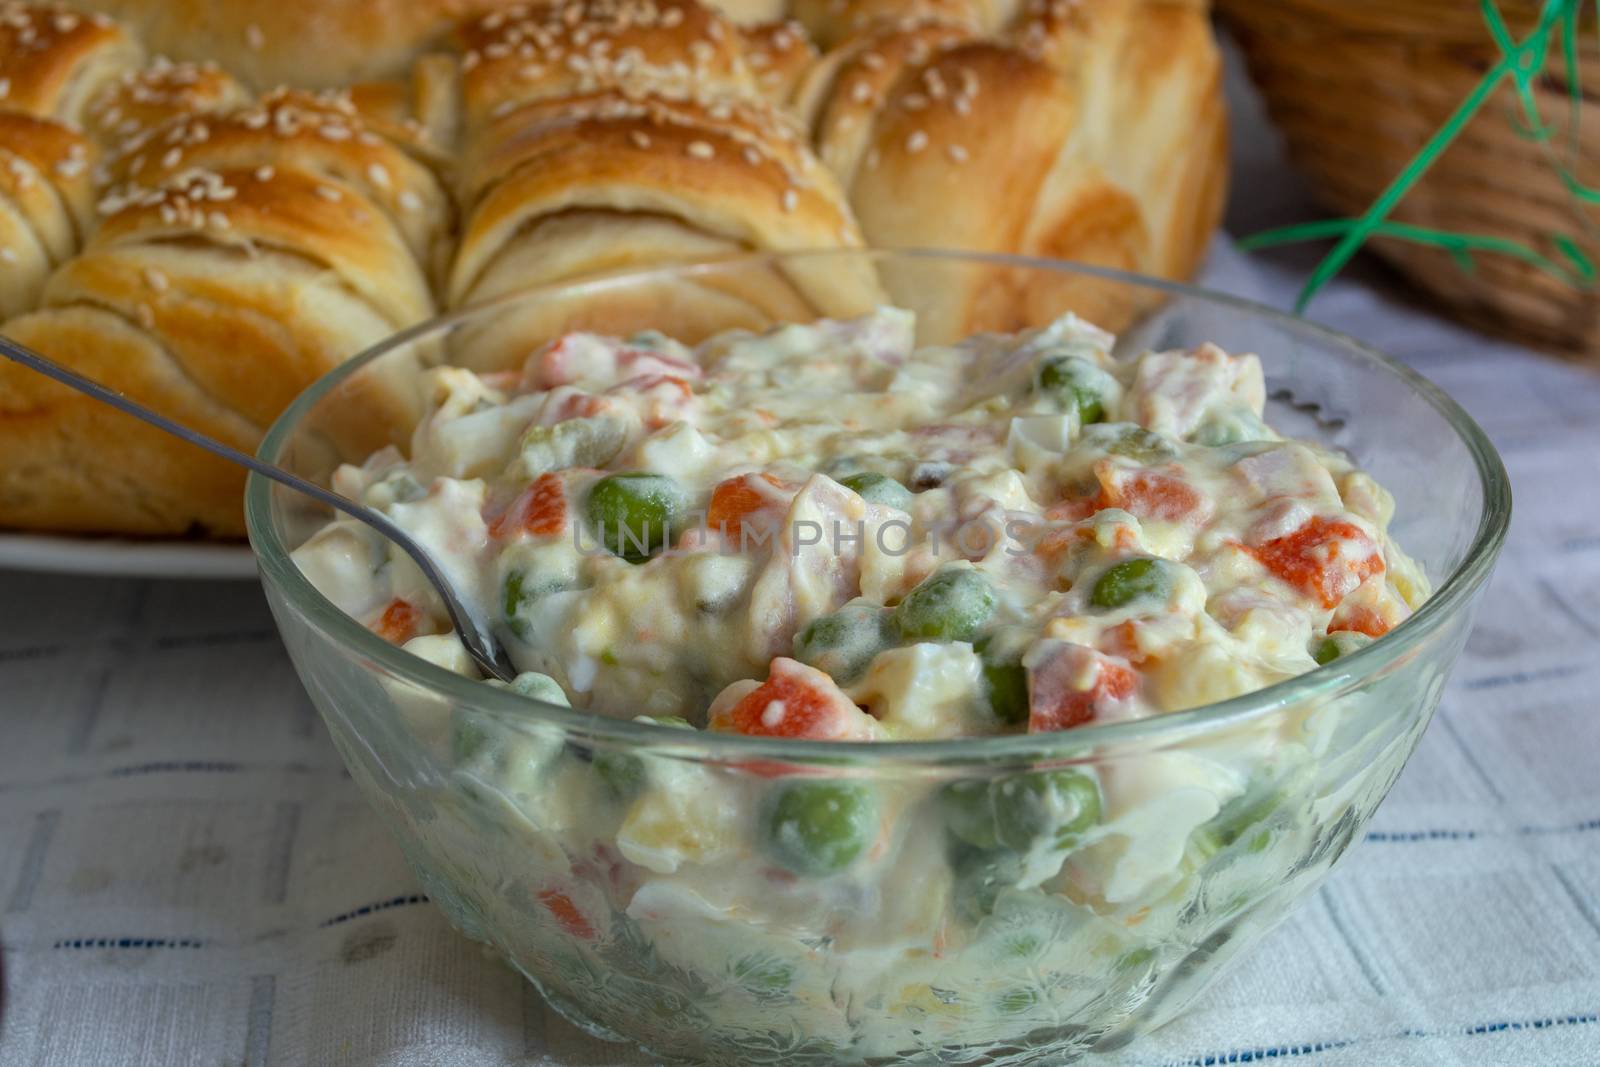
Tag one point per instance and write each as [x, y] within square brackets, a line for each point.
[187, 876]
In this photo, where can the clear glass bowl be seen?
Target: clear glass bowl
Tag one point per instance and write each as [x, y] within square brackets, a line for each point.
[924, 954]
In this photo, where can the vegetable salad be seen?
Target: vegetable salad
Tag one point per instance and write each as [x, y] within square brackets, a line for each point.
[825, 532]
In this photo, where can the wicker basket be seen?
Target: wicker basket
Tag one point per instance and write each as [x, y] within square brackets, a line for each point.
[1358, 86]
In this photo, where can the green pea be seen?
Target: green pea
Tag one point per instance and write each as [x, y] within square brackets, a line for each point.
[764, 976]
[1057, 806]
[1074, 382]
[1231, 427]
[819, 828]
[1016, 1001]
[1136, 958]
[980, 877]
[952, 604]
[968, 810]
[844, 644]
[1341, 643]
[1019, 811]
[538, 686]
[520, 590]
[1005, 681]
[468, 737]
[1241, 819]
[624, 773]
[592, 441]
[1141, 444]
[877, 488]
[635, 513]
[1130, 580]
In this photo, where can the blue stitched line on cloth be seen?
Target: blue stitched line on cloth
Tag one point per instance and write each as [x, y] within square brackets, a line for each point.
[1311, 1048]
[1412, 836]
[1498, 681]
[368, 909]
[195, 942]
[130, 942]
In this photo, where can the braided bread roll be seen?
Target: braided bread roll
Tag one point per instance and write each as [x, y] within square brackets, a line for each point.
[1108, 146]
[53, 62]
[321, 44]
[242, 256]
[642, 138]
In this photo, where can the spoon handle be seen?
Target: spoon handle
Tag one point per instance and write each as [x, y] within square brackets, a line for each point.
[480, 645]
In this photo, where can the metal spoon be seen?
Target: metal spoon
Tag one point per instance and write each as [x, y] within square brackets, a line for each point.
[472, 629]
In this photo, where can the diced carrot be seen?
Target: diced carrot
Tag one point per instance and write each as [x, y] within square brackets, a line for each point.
[1316, 559]
[646, 382]
[1361, 620]
[735, 500]
[541, 510]
[398, 623]
[798, 701]
[566, 914]
[580, 405]
[1123, 640]
[1074, 688]
[1151, 495]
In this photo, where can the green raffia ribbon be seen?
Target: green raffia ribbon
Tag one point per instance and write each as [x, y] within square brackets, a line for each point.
[1521, 63]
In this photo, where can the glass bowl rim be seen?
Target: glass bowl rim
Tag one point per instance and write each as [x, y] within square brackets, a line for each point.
[1454, 593]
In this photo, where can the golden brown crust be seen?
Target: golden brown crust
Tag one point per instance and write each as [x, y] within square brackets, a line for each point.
[46, 203]
[567, 48]
[732, 170]
[316, 134]
[247, 246]
[74, 465]
[420, 111]
[241, 256]
[841, 95]
[311, 43]
[54, 60]
[778, 54]
[832, 22]
[147, 97]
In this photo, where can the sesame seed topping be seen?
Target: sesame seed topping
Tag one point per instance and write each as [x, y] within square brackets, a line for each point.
[956, 153]
[329, 193]
[378, 175]
[7, 255]
[791, 199]
[264, 173]
[410, 201]
[156, 280]
[639, 138]
[860, 92]
[916, 142]
[146, 315]
[701, 150]
[751, 156]
[254, 38]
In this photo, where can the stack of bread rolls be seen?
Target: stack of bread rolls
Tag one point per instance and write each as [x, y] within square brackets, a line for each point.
[178, 224]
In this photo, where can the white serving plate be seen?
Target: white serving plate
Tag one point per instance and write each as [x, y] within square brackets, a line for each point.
[112, 556]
